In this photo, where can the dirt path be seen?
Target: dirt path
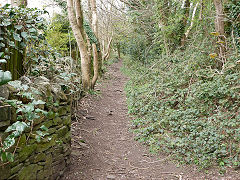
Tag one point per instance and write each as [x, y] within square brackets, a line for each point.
[103, 147]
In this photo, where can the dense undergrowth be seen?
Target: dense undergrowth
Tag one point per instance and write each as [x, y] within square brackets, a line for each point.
[185, 107]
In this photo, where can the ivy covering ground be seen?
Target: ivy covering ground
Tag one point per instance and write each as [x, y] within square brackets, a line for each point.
[186, 108]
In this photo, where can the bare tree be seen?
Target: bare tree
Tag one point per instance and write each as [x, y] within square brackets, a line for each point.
[76, 22]
[94, 45]
[219, 27]
[219, 21]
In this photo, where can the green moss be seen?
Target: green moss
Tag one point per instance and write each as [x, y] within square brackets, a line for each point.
[5, 172]
[39, 157]
[26, 151]
[16, 168]
[67, 120]
[57, 120]
[22, 141]
[46, 145]
[29, 172]
[62, 131]
[62, 110]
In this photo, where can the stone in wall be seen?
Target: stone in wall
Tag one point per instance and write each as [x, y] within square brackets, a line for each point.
[49, 158]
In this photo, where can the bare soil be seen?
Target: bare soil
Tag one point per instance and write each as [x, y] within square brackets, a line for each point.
[104, 148]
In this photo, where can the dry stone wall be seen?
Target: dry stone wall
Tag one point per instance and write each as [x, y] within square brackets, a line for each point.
[49, 158]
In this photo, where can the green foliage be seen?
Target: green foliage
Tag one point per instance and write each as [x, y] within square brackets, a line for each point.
[233, 9]
[5, 76]
[26, 114]
[187, 109]
[92, 37]
[20, 28]
[58, 33]
[185, 102]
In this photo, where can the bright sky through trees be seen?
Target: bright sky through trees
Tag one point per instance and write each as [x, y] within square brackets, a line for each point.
[48, 4]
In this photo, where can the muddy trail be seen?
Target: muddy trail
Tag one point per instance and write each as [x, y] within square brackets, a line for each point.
[104, 148]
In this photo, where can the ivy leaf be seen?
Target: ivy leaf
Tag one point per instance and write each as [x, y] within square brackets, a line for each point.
[5, 77]
[2, 45]
[29, 107]
[38, 138]
[1, 54]
[40, 133]
[17, 37]
[17, 126]
[10, 156]
[3, 61]
[13, 102]
[6, 50]
[19, 117]
[18, 27]
[32, 30]
[44, 128]
[6, 22]
[9, 142]
[24, 35]
[27, 95]
[11, 43]
[23, 44]
[3, 156]
[41, 111]
[16, 84]
[7, 57]
[38, 102]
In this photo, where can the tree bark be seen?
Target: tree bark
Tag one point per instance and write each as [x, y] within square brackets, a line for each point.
[77, 27]
[107, 54]
[192, 21]
[119, 50]
[219, 27]
[219, 21]
[96, 54]
[185, 18]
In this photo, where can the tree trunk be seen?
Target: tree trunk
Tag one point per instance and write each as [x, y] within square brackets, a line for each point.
[96, 54]
[107, 54]
[185, 18]
[77, 27]
[219, 21]
[219, 27]
[119, 50]
[192, 21]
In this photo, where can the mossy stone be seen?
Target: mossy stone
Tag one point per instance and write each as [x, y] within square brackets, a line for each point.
[5, 172]
[39, 157]
[49, 160]
[62, 110]
[26, 151]
[29, 172]
[39, 120]
[52, 115]
[22, 141]
[5, 114]
[4, 123]
[48, 123]
[67, 120]
[13, 177]
[57, 121]
[16, 168]
[67, 138]
[62, 131]
[46, 145]
[42, 175]
[52, 130]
